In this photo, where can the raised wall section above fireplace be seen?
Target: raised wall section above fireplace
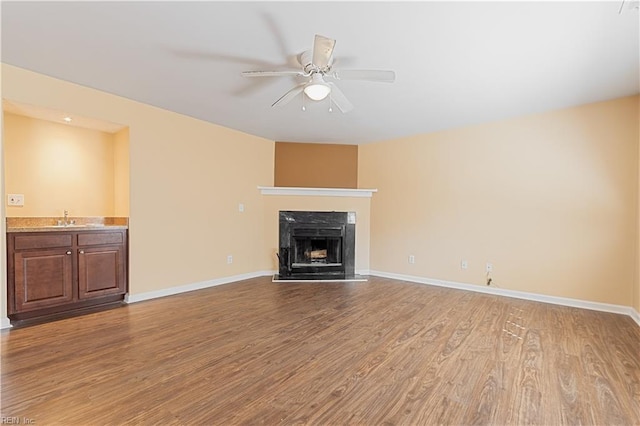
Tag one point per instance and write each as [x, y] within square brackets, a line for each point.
[315, 165]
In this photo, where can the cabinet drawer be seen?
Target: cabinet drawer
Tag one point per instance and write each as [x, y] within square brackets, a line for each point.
[26, 242]
[100, 238]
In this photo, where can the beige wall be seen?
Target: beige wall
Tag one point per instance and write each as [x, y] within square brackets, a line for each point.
[274, 203]
[636, 298]
[313, 165]
[121, 173]
[3, 229]
[58, 167]
[549, 199]
[186, 180]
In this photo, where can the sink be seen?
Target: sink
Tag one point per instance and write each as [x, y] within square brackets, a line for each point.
[66, 226]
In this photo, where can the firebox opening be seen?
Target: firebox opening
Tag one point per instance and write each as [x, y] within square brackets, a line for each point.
[317, 251]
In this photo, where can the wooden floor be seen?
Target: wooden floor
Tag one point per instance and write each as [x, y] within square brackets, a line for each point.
[371, 353]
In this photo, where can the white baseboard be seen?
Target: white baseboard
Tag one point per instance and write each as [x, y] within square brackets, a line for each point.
[596, 306]
[564, 301]
[635, 315]
[133, 298]
[5, 323]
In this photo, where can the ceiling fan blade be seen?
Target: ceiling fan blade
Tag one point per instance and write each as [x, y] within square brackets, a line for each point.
[271, 73]
[287, 97]
[322, 50]
[338, 98]
[370, 75]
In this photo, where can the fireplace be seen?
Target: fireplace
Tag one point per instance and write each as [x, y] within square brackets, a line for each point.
[316, 245]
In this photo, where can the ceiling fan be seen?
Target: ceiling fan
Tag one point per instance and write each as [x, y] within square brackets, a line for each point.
[317, 67]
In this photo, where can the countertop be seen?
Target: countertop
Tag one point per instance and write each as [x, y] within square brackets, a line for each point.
[69, 228]
[49, 224]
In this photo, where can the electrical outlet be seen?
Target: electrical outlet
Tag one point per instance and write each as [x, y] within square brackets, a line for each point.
[489, 267]
[464, 264]
[412, 259]
[15, 200]
[229, 259]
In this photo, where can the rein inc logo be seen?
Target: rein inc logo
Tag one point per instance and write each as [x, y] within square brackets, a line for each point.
[15, 420]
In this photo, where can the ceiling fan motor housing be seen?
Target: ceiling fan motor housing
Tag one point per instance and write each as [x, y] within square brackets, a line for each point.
[306, 60]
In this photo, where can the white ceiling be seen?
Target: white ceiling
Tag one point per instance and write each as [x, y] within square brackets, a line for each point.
[456, 63]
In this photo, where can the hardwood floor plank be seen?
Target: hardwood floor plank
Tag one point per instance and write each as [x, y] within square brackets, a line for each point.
[571, 388]
[376, 352]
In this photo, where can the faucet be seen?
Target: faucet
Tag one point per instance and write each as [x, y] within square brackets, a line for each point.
[66, 221]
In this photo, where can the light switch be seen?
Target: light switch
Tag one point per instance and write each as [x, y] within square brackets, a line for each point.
[241, 208]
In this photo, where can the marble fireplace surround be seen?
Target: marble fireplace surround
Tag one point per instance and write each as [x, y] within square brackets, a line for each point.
[316, 245]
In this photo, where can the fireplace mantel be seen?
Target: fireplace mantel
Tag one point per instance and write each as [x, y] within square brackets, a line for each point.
[322, 192]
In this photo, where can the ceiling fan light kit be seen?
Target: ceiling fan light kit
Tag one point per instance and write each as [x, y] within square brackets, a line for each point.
[316, 66]
[317, 89]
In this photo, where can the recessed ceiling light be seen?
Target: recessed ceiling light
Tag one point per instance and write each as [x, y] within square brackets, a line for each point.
[67, 119]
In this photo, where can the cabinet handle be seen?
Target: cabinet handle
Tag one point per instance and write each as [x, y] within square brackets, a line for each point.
[81, 251]
[69, 252]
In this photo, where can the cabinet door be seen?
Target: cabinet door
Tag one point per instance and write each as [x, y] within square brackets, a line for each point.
[43, 278]
[101, 271]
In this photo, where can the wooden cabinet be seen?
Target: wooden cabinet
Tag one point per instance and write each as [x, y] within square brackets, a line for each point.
[56, 273]
[43, 278]
[100, 272]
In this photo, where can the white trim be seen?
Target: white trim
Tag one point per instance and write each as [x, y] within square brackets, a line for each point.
[323, 192]
[564, 301]
[191, 287]
[201, 285]
[5, 323]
